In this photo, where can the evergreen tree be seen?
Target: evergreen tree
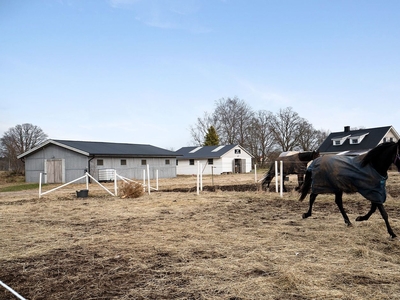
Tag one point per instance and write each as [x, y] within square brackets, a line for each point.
[211, 138]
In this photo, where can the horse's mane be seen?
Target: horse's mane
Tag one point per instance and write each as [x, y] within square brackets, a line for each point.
[376, 151]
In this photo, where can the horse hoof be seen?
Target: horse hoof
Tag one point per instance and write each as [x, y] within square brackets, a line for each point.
[305, 216]
[359, 219]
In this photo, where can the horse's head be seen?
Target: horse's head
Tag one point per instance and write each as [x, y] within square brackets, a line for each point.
[382, 156]
[315, 154]
[308, 155]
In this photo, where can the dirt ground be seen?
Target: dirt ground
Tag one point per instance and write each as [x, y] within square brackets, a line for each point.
[232, 241]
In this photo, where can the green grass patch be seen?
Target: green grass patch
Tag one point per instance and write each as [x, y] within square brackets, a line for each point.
[20, 187]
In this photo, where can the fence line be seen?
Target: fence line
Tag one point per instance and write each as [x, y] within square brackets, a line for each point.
[12, 291]
[116, 176]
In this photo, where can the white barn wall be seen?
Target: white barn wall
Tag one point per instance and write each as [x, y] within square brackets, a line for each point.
[134, 168]
[75, 165]
[221, 165]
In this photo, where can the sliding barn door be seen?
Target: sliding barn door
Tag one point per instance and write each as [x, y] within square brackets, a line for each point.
[54, 170]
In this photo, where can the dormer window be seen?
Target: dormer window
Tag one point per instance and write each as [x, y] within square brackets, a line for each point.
[339, 140]
[355, 140]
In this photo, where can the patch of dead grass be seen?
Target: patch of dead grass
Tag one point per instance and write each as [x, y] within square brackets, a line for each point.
[179, 245]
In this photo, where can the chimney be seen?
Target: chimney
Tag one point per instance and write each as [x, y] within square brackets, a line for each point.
[346, 128]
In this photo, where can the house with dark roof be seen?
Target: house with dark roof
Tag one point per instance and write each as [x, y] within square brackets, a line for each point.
[356, 142]
[213, 160]
[64, 161]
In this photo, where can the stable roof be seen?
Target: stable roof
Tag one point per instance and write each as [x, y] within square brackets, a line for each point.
[105, 149]
[205, 152]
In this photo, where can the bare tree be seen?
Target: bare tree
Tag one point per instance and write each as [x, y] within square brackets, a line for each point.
[233, 118]
[261, 140]
[286, 129]
[308, 136]
[320, 137]
[200, 129]
[18, 140]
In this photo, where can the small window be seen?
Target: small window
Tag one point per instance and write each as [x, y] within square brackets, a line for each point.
[167, 161]
[210, 161]
[144, 162]
[354, 141]
[123, 162]
[176, 162]
[391, 139]
[100, 162]
[237, 151]
[191, 162]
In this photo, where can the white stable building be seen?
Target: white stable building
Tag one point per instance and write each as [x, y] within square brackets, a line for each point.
[213, 160]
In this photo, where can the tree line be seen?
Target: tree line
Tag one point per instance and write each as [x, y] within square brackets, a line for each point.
[263, 133]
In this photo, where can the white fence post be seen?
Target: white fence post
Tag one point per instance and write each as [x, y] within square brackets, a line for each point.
[148, 179]
[198, 177]
[157, 179]
[276, 176]
[40, 185]
[144, 180]
[281, 172]
[115, 183]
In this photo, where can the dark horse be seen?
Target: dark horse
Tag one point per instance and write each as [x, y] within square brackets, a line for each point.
[365, 174]
[292, 164]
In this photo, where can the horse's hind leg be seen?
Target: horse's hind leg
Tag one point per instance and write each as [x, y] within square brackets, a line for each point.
[339, 203]
[312, 200]
[366, 217]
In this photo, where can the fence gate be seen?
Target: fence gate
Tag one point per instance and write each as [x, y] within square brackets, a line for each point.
[54, 170]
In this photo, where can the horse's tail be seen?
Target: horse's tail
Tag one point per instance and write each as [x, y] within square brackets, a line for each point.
[305, 188]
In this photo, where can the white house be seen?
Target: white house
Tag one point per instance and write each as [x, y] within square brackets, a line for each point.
[355, 142]
[213, 160]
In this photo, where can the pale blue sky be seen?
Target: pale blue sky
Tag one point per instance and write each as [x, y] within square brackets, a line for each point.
[143, 71]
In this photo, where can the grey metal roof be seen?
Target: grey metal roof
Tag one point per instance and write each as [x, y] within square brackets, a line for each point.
[107, 149]
[373, 137]
[203, 152]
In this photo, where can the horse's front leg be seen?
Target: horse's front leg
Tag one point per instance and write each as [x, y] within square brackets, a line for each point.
[366, 217]
[339, 203]
[386, 218]
[312, 200]
[300, 181]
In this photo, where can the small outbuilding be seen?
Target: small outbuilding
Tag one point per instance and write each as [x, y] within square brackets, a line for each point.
[63, 161]
[213, 159]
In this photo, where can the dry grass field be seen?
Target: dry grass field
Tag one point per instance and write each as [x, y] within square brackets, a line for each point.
[229, 242]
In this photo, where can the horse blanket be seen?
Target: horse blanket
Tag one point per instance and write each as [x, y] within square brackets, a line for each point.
[333, 173]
